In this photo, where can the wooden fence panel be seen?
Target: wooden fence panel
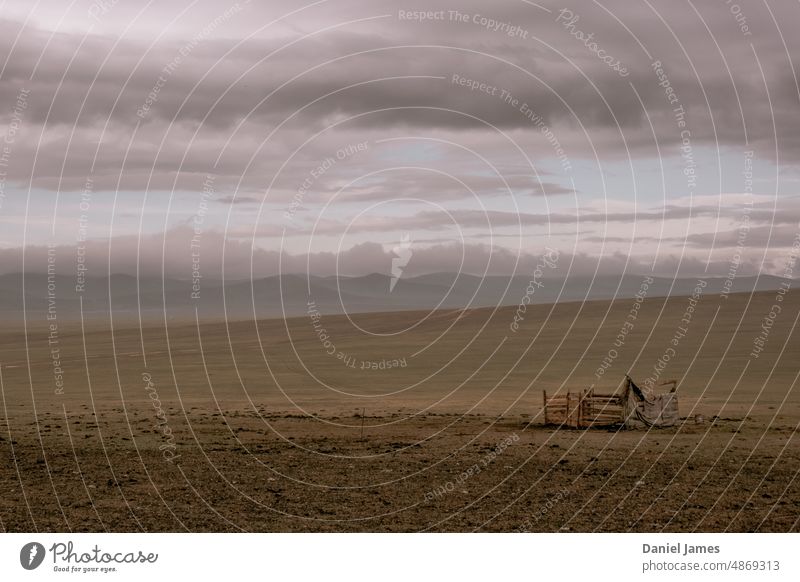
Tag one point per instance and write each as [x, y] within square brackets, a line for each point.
[583, 410]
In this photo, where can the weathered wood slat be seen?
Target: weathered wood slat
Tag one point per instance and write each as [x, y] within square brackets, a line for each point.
[583, 409]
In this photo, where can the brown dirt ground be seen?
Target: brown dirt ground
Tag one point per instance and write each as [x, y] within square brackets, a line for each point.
[267, 424]
[262, 473]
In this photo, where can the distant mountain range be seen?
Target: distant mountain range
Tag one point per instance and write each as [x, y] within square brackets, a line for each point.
[290, 294]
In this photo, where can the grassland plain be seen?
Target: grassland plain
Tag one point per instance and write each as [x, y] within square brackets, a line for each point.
[402, 421]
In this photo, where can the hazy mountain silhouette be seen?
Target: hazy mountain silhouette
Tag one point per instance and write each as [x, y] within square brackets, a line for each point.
[290, 295]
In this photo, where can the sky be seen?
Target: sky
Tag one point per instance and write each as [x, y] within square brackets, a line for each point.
[246, 139]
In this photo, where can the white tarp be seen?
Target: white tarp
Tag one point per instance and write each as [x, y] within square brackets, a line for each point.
[644, 410]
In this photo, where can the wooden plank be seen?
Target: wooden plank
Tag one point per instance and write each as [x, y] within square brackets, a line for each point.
[582, 409]
[544, 396]
[569, 411]
[581, 406]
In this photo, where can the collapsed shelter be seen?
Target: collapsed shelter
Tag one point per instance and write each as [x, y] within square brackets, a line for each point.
[633, 408]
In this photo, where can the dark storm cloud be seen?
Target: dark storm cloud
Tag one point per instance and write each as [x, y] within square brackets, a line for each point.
[81, 83]
[159, 98]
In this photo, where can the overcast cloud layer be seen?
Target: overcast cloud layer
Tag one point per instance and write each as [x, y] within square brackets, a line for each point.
[249, 138]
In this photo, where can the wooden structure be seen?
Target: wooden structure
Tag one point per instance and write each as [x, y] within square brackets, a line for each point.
[632, 408]
[583, 409]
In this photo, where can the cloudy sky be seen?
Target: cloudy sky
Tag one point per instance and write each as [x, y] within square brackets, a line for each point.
[253, 137]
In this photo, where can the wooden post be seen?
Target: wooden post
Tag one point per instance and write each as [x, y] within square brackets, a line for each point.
[569, 409]
[544, 401]
[363, 412]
